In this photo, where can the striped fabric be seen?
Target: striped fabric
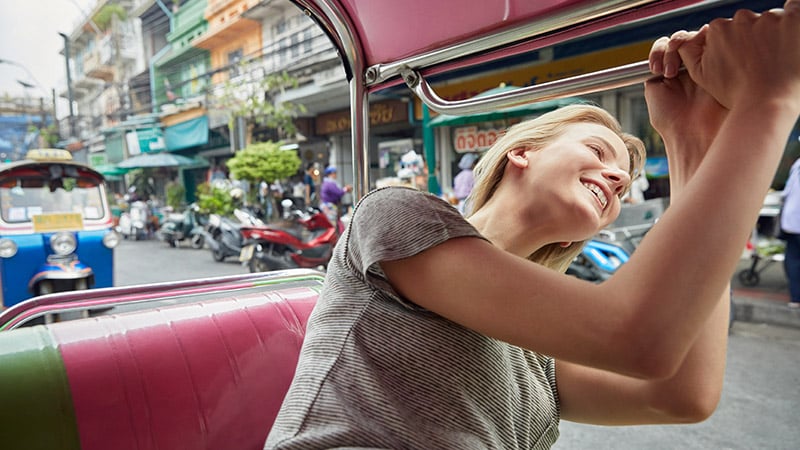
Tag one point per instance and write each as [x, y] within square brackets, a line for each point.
[377, 371]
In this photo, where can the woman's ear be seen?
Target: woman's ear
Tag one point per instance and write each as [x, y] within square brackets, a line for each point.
[518, 157]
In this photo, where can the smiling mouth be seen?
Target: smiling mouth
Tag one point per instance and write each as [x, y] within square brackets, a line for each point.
[601, 196]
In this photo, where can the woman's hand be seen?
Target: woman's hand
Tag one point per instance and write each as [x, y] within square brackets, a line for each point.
[750, 59]
[685, 115]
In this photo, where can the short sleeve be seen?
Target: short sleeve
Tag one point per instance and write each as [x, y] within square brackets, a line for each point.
[396, 222]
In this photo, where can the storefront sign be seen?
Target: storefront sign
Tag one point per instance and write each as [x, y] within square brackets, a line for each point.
[380, 113]
[473, 139]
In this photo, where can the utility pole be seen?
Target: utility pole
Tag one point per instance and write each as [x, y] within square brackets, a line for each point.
[69, 86]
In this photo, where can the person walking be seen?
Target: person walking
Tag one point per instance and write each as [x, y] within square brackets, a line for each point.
[330, 194]
[309, 180]
[436, 330]
[464, 181]
[790, 232]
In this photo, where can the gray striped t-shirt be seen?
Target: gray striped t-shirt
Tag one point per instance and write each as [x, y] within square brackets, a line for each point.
[377, 371]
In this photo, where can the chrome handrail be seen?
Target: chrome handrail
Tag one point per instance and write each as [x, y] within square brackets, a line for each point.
[72, 301]
[612, 78]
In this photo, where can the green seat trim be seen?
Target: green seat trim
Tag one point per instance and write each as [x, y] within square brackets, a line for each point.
[36, 409]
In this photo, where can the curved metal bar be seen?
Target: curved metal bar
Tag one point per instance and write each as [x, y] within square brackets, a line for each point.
[582, 14]
[341, 28]
[578, 85]
[127, 295]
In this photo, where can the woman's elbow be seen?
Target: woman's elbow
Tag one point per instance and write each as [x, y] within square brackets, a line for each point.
[691, 405]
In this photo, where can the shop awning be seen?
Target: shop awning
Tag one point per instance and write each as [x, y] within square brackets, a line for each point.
[110, 170]
[191, 133]
[505, 113]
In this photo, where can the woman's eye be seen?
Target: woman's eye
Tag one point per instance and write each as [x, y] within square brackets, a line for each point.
[597, 150]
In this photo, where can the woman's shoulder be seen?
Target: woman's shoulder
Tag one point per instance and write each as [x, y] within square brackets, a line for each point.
[399, 193]
[404, 205]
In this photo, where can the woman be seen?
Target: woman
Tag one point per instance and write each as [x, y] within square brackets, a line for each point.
[435, 331]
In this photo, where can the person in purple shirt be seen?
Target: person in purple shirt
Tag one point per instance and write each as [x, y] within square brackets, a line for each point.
[465, 180]
[330, 194]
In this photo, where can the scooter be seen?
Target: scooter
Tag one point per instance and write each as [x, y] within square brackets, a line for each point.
[223, 236]
[134, 222]
[187, 225]
[602, 256]
[307, 241]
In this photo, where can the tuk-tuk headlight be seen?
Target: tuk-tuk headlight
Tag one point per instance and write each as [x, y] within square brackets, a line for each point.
[111, 239]
[8, 248]
[63, 243]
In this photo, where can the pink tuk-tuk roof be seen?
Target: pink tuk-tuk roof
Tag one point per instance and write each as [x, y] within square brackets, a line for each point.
[421, 34]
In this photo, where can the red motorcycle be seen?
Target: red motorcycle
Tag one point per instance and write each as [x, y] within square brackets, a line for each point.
[304, 239]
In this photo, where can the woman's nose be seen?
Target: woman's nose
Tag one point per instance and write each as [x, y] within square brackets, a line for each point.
[618, 179]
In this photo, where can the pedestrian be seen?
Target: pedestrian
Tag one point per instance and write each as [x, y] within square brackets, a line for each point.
[464, 180]
[309, 180]
[435, 330]
[790, 232]
[331, 193]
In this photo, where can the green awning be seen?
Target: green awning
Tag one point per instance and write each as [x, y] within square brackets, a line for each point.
[505, 113]
[110, 170]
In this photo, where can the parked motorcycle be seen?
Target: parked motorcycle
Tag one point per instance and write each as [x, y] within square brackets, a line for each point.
[187, 225]
[134, 222]
[305, 239]
[222, 234]
[610, 249]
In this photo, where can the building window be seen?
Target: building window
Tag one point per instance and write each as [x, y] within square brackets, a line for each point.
[234, 58]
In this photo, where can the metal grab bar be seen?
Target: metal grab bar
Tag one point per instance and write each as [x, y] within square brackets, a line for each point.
[612, 78]
[83, 300]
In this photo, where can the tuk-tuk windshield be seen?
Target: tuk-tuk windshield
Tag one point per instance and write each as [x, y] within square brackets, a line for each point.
[22, 197]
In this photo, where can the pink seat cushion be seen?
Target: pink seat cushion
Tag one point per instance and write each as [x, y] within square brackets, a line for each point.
[201, 375]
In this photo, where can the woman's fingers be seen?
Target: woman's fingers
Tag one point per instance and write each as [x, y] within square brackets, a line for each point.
[665, 58]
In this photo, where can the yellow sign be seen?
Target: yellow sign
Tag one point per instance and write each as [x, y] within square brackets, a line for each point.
[49, 154]
[43, 223]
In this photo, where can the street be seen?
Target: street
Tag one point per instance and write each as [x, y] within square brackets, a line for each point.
[760, 406]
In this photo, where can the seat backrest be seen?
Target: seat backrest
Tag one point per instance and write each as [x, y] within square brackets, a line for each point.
[205, 375]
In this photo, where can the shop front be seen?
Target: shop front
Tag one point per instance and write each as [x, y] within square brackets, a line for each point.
[392, 134]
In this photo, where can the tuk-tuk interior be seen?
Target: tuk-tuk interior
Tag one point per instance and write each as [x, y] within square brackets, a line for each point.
[127, 384]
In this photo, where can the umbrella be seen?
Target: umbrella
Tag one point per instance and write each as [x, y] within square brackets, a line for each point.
[505, 113]
[110, 170]
[158, 160]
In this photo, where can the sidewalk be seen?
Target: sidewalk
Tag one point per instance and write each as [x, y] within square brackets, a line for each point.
[766, 301]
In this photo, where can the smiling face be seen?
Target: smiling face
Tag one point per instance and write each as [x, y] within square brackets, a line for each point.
[579, 178]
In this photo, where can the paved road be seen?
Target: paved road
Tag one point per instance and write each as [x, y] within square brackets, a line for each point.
[153, 261]
[760, 407]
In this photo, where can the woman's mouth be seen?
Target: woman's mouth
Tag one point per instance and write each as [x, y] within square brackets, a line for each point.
[595, 189]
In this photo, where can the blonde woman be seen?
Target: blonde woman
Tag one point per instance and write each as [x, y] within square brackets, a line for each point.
[439, 331]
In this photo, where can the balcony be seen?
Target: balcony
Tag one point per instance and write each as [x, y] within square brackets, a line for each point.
[99, 63]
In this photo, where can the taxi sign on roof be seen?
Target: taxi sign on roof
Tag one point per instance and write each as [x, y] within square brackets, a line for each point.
[49, 154]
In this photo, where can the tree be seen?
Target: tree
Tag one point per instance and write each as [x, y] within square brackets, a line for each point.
[264, 161]
[252, 95]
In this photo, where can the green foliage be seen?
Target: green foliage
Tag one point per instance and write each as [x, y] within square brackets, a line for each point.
[214, 200]
[175, 194]
[264, 161]
[104, 17]
[252, 96]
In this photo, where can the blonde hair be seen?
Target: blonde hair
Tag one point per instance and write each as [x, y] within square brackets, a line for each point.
[537, 133]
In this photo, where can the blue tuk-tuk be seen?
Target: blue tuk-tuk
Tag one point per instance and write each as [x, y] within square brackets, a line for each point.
[56, 229]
